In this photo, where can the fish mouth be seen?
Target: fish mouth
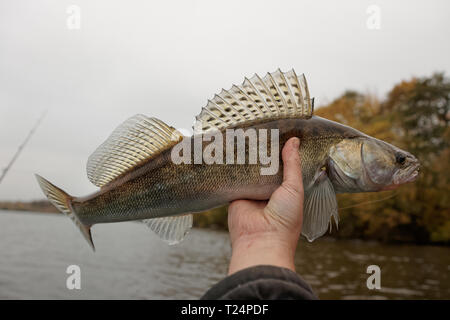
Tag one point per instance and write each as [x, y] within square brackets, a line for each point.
[409, 176]
[413, 176]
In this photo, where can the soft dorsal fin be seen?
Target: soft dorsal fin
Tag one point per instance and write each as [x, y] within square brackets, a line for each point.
[278, 95]
[136, 140]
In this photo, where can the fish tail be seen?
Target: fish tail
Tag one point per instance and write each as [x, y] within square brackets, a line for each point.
[63, 202]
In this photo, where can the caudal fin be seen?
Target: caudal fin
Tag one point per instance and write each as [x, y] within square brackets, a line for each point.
[62, 201]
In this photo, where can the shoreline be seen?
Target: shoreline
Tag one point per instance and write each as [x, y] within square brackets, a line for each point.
[45, 207]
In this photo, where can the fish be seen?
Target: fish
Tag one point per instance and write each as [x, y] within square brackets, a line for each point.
[141, 177]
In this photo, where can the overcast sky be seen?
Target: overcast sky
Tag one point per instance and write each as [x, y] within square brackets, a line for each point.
[166, 58]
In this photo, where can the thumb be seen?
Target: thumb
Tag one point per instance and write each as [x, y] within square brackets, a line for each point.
[286, 203]
[292, 171]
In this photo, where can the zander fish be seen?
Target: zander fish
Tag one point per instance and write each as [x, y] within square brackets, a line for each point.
[140, 180]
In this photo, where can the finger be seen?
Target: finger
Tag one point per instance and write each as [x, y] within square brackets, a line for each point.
[292, 171]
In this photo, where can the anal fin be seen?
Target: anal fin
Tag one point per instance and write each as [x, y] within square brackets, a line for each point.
[171, 229]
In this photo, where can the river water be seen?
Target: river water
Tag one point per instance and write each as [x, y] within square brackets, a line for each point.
[132, 263]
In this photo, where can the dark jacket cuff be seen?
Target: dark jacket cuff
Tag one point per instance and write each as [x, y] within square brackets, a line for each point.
[261, 283]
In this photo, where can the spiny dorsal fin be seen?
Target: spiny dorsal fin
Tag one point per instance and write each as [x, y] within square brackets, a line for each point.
[136, 140]
[278, 95]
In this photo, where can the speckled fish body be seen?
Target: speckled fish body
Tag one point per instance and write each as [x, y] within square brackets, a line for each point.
[161, 188]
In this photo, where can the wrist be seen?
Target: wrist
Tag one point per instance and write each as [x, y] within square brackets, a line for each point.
[262, 249]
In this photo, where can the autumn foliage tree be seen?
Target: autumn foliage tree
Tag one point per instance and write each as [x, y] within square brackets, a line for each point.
[415, 116]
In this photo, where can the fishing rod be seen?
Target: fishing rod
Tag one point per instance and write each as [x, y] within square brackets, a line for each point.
[19, 150]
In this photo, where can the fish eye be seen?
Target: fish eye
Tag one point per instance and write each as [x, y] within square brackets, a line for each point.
[400, 158]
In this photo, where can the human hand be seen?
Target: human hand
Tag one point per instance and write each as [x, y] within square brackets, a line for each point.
[267, 232]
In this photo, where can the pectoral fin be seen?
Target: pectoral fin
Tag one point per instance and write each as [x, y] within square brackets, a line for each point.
[320, 205]
[171, 229]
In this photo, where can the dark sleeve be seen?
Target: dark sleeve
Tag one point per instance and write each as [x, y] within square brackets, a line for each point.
[261, 283]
